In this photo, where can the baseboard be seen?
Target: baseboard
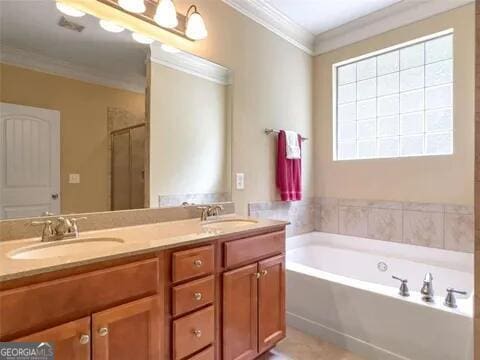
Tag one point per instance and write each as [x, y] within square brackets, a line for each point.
[345, 341]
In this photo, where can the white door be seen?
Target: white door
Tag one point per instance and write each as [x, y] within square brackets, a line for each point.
[29, 161]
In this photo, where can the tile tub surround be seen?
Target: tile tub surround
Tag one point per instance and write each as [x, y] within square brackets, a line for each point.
[300, 214]
[21, 228]
[443, 226]
[198, 199]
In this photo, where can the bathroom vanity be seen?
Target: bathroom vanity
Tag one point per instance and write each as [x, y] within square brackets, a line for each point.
[208, 292]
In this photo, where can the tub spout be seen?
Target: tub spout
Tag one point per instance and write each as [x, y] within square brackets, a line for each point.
[427, 288]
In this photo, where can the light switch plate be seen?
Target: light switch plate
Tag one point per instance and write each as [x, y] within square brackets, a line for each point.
[74, 178]
[240, 181]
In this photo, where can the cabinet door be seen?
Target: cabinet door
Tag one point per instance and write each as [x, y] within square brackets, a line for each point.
[129, 331]
[240, 313]
[271, 302]
[71, 340]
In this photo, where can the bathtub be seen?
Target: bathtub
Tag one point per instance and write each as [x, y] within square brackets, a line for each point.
[340, 288]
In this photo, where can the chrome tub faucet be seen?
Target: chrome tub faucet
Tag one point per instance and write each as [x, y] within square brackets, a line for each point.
[427, 288]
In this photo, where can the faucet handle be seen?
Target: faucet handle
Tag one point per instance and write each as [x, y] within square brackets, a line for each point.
[74, 226]
[403, 291]
[450, 300]
[47, 232]
[205, 211]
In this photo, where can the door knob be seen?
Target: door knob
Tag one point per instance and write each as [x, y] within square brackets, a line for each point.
[55, 196]
[84, 339]
[103, 331]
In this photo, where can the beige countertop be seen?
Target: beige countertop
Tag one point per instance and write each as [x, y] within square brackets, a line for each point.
[132, 240]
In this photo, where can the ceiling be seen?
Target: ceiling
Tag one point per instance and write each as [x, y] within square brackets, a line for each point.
[318, 16]
[35, 36]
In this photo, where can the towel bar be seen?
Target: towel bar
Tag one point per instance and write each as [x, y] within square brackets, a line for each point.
[273, 131]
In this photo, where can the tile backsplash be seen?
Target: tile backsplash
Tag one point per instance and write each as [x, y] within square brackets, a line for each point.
[443, 226]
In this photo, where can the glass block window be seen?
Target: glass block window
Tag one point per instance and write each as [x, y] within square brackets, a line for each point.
[396, 102]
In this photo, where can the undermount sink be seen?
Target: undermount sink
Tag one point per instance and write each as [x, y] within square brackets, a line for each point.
[64, 248]
[229, 223]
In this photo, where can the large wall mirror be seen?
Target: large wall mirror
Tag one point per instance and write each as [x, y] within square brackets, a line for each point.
[93, 120]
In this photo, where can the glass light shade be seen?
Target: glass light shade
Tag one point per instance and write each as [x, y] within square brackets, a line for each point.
[166, 14]
[134, 6]
[110, 26]
[196, 29]
[68, 10]
[170, 49]
[142, 39]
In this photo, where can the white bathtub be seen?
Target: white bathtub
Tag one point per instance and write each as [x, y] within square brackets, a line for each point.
[336, 291]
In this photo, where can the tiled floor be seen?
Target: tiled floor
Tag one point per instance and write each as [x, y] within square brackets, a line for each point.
[299, 346]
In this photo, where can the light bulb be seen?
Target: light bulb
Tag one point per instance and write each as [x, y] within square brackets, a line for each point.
[142, 39]
[170, 49]
[68, 10]
[110, 26]
[166, 15]
[196, 29]
[134, 6]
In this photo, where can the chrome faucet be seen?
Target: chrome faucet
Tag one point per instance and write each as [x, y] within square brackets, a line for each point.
[427, 288]
[450, 300]
[403, 291]
[209, 210]
[63, 229]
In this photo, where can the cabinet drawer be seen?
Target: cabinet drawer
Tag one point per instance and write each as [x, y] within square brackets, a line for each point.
[191, 263]
[31, 308]
[207, 354]
[193, 332]
[192, 295]
[237, 252]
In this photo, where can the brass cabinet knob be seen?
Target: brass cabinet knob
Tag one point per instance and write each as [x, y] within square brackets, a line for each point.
[264, 272]
[198, 296]
[103, 331]
[197, 333]
[84, 339]
[257, 275]
[198, 263]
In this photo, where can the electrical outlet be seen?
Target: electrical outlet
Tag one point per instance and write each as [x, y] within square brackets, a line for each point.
[240, 181]
[74, 178]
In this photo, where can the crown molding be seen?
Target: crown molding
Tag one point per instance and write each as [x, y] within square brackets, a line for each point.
[191, 64]
[34, 61]
[389, 18]
[268, 16]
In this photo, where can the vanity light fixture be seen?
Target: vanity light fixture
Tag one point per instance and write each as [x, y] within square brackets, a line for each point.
[196, 29]
[68, 10]
[133, 6]
[166, 14]
[170, 49]
[142, 39]
[111, 26]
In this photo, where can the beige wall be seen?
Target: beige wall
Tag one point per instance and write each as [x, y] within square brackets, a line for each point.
[188, 134]
[272, 87]
[83, 127]
[431, 179]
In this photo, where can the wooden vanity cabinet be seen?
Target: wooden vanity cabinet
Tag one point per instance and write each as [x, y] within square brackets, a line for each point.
[129, 331]
[222, 300]
[254, 299]
[72, 340]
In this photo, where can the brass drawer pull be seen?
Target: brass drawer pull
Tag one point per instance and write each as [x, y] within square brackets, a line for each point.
[198, 263]
[198, 296]
[197, 333]
[84, 339]
[103, 331]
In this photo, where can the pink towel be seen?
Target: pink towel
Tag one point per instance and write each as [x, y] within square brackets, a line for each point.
[289, 171]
